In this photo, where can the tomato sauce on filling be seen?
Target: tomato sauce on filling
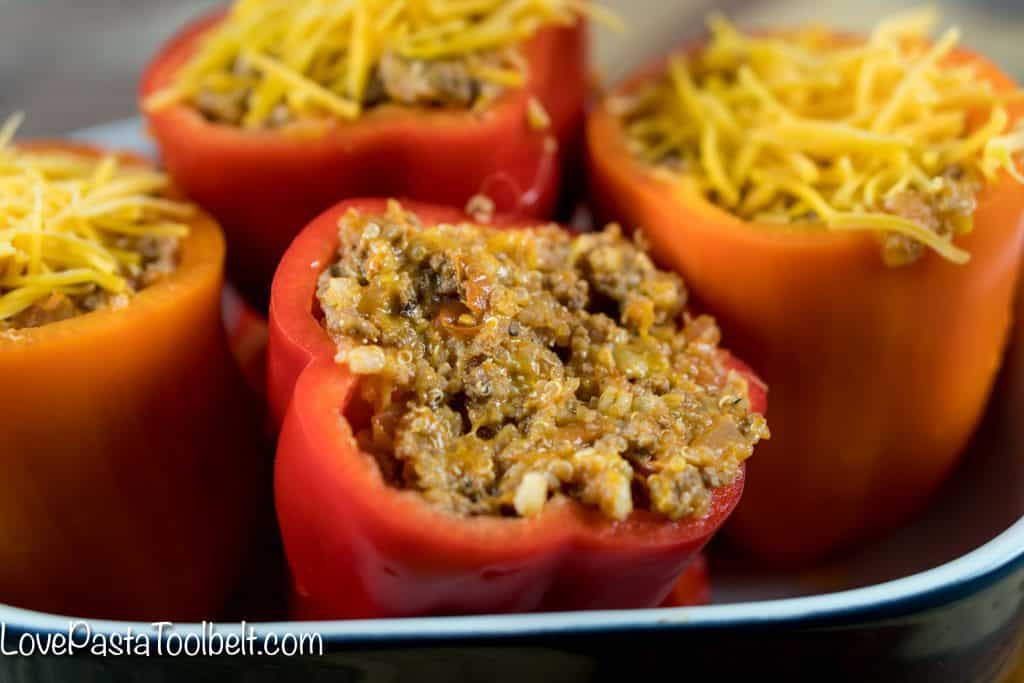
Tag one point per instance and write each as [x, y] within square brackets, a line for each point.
[503, 367]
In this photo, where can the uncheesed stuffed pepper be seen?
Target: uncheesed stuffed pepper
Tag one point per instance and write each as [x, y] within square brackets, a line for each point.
[132, 482]
[270, 113]
[494, 417]
[850, 209]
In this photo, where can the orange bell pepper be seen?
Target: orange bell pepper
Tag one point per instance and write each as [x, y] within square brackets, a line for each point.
[131, 470]
[879, 375]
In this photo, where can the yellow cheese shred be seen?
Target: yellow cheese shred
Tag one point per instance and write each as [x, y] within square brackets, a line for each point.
[68, 222]
[317, 57]
[882, 134]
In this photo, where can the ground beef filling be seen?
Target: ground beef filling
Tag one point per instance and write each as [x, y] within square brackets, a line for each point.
[948, 213]
[158, 259]
[504, 367]
[395, 79]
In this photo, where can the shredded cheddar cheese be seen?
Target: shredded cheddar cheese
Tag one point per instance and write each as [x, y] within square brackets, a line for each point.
[77, 232]
[272, 61]
[886, 134]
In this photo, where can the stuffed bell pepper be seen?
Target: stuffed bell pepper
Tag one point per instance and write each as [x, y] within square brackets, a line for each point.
[130, 479]
[850, 209]
[270, 113]
[486, 416]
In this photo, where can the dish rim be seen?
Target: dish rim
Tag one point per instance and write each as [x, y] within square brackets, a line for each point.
[962, 576]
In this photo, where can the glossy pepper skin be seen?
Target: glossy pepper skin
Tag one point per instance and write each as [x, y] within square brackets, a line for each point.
[358, 547]
[247, 339]
[879, 375]
[131, 475]
[265, 185]
[693, 587]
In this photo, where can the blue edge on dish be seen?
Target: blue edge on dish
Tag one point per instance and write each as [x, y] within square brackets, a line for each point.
[961, 621]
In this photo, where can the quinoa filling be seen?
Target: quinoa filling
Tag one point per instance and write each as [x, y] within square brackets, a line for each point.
[272, 63]
[157, 258]
[890, 134]
[504, 367]
[451, 83]
[80, 233]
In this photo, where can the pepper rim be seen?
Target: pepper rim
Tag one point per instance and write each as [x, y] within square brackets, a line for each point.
[199, 252]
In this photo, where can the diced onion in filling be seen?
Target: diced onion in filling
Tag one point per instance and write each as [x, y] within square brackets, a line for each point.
[506, 366]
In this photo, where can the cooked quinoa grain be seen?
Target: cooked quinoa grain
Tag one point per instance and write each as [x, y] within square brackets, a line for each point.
[504, 367]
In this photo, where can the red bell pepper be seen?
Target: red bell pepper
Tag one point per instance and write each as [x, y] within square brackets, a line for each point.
[358, 547]
[693, 587]
[247, 339]
[265, 185]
